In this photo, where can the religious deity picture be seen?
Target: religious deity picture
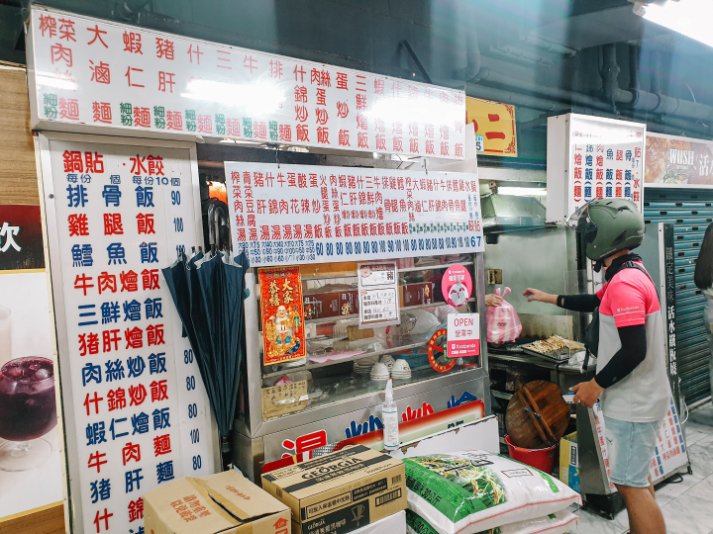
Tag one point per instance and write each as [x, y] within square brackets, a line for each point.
[282, 313]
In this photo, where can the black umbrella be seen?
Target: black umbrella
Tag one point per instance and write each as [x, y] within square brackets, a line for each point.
[213, 294]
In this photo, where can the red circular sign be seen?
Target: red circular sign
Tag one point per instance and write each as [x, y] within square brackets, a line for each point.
[437, 352]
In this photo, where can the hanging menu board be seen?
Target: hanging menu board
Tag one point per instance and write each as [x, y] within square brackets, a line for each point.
[592, 158]
[296, 214]
[135, 411]
[86, 71]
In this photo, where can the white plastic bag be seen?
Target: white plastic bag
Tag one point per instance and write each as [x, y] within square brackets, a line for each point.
[502, 322]
[469, 492]
[558, 523]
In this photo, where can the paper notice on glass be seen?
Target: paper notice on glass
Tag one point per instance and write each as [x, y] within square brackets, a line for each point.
[378, 294]
[463, 335]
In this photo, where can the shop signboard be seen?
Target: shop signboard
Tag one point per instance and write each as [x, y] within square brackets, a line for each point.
[298, 214]
[592, 158]
[91, 72]
[135, 410]
[678, 161]
[494, 126]
[21, 246]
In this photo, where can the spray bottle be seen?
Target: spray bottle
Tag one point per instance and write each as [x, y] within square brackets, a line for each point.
[390, 416]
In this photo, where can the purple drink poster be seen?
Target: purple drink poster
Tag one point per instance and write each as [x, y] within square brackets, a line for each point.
[30, 444]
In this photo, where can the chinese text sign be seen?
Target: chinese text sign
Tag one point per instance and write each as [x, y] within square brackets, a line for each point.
[494, 126]
[131, 387]
[294, 214]
[93, 72]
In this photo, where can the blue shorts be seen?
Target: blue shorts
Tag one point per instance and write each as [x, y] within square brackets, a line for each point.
[631, 447]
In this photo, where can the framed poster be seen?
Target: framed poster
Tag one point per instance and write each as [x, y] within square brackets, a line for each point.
[135, 411]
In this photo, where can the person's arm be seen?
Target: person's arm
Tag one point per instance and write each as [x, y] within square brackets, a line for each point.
[582, 303]
[627, 358]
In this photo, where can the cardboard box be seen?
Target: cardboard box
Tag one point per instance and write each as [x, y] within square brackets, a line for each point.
[340, 492]
[394, 524]
[569, 461]
[225, 502]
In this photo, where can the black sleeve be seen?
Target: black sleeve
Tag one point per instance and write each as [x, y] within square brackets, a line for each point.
[581, 303]
[629, 356]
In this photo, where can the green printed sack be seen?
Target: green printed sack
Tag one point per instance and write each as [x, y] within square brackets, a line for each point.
[559, 523]
[472, 492]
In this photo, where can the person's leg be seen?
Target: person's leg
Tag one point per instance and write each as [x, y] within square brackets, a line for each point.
[645, 516]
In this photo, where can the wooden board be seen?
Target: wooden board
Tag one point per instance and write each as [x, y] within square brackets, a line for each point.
[44, 520]
[537, 416]
[18, 174]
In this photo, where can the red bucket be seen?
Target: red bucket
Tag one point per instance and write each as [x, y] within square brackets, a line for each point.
[542, 459]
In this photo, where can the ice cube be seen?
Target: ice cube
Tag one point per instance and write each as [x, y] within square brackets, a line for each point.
[41, 374]
[14, 371]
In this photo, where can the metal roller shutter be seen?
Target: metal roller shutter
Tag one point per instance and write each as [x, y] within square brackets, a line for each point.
[690, 212]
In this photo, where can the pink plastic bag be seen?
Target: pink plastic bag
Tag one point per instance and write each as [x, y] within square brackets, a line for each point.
[502, 322]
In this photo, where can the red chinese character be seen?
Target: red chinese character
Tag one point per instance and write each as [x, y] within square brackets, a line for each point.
[88, 344]
[136, 510]
[100, 73]
[110, 340]
[155, 165]
[78, 224]
[113, 224]
[250, 63]
[145, 223]
[323, 135]
[162, 445]
[134, 339]
[166, 81]
[129, 281]
[322, 116]
[116, 399]
[285, 132]
[344, 138]
[137, 394]
[361, 102]
[93, 162]
[159, 390]
[342, 110]
[321, 97]
[275, 68]
[142, 117]
[69, 109]
[66, 30]
[92, 400]
[83, 282]
[303, 133]
[61, 53]
[73, 161]
[101, 112]
[96, 460]
[155, 335]
[165, 48]
[205, 124]
[48, 26]
[303, 445]
[224, 59]
[174, 120]
[342, 80]
[132, 42]
[97, 35]
[150, 278]
[129, 71]
[194, 52]
[103, 517]
[106, 282]
[301, 113]
[299, 72]
[137, 165]
[300, 93]
[131, 452]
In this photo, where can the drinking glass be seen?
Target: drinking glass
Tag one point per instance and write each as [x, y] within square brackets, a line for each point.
[27, 412]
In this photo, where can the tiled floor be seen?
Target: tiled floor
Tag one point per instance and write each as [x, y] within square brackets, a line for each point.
[688, 505]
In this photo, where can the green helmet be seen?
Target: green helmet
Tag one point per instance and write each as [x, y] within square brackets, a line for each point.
[610, 225]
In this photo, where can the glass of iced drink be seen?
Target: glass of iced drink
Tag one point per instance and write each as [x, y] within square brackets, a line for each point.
[27, 412]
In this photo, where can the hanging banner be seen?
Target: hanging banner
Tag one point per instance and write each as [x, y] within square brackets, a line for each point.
[494, 126]
[283, 316]
[86, 71]
[678, 161]
[296, 214]
[135, 410]
[591, 158]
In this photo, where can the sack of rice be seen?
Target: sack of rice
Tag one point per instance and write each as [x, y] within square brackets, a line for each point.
[559, 523]
[470, 492]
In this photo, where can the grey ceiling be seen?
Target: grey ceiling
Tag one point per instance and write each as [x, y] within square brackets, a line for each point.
[545, 56]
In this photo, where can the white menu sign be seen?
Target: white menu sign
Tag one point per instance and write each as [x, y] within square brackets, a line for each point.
[86, 71]
[135, 410]
[296, 214]
[378, 294]
[592, 158]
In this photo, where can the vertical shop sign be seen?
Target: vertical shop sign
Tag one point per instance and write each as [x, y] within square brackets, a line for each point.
[283, 317]
[591, 158]
[298, 214]
[135, 409]
[378, 294]
[86, 71]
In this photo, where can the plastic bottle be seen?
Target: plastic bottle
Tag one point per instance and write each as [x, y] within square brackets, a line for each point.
[390, 417]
